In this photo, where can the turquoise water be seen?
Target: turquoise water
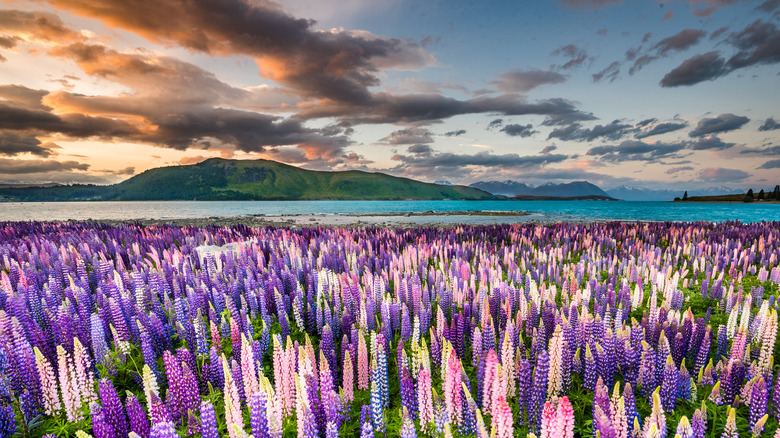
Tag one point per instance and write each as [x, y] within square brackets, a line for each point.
[539, 210]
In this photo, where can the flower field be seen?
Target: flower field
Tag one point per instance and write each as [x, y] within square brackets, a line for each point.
[614, 330]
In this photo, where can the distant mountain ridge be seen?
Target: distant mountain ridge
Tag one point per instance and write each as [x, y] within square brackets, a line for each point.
[644, 194]
[515, 188]
[221, 179]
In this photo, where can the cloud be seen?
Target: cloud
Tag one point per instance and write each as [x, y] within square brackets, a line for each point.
[495, 123]
[634, 150]
[420, 149]
[12, 144]
[425, 163]
[771, 164]
[769, 151]
[37, 26]
[680, 41]
[769, 5]
[611, 72]
[8, 42]
[10, 166]
[721, 123]
[612, 131]
[338, 65]
[720, 174]
[661, 128]
[517, 130]
[758, 43]
[588, 4]
[521, 81]
[698, 68]
[455, 133]
[548, 149]
[769, 125]
[675, 170]
[409, 136]
[710, 142]
[567, 118]
[576, 55]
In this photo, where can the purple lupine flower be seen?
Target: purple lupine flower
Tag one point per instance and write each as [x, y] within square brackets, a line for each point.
[591, 373]
[208, 420]
[538, 391]
[523, 388]
[758, 401]
[408, 394]
[630, 406]
[163, 429]
[136, 415]
[112, 408]
[257, 415]
[100, 427]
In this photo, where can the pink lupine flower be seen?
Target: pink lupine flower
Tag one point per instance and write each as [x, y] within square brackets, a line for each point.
[71, 399]
[564, 419]
[362, 356]
[548, 421]
[248, 372]
[85, 381]
[452, 389]
[347, 377]
[233, 415]
[424, 398]
[503, 426]
[491, 372]
[51, 398]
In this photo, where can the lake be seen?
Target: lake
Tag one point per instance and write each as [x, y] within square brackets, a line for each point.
[347, 211]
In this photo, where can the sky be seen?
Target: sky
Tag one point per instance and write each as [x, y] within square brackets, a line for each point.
[654, 94]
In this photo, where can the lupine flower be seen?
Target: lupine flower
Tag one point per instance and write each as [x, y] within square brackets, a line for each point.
[452, 389]
[730, 429]
[503, 422]
[758, 401]
[424, 399]
[51, 397]
[139, 424]
[407, 425]
[112, 408]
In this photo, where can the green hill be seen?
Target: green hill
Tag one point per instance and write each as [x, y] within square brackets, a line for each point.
[220, 179]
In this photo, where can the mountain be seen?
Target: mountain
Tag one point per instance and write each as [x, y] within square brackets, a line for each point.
[221, 179]
[574, 188]
[514, 188]
[506, 188]
[643, 194]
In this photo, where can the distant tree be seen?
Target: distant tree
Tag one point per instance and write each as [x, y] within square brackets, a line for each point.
[677, 199]
[776, 192]
[749, 193]
[685, 196]
[761, 195]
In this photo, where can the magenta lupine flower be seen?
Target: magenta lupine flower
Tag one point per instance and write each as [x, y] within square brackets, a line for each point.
[564, 419]
[548, 421]
[362, 356]
[491, 373]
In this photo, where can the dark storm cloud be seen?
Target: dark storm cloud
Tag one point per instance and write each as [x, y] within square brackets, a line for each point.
[612, 131]
[409, 136]
[661, 128]
[758, 43]
[568, 118]
[455, 133]
[769, 5]
[19, 167]
[12, 143]
[517, 130]
[710, 142]
[718, 32]
[721, 123]
[720, 174]
[337, 65]
[521, 81]
[15, 118]
[769, 125]
[771, 164]
[634, 150]
[646, 122]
